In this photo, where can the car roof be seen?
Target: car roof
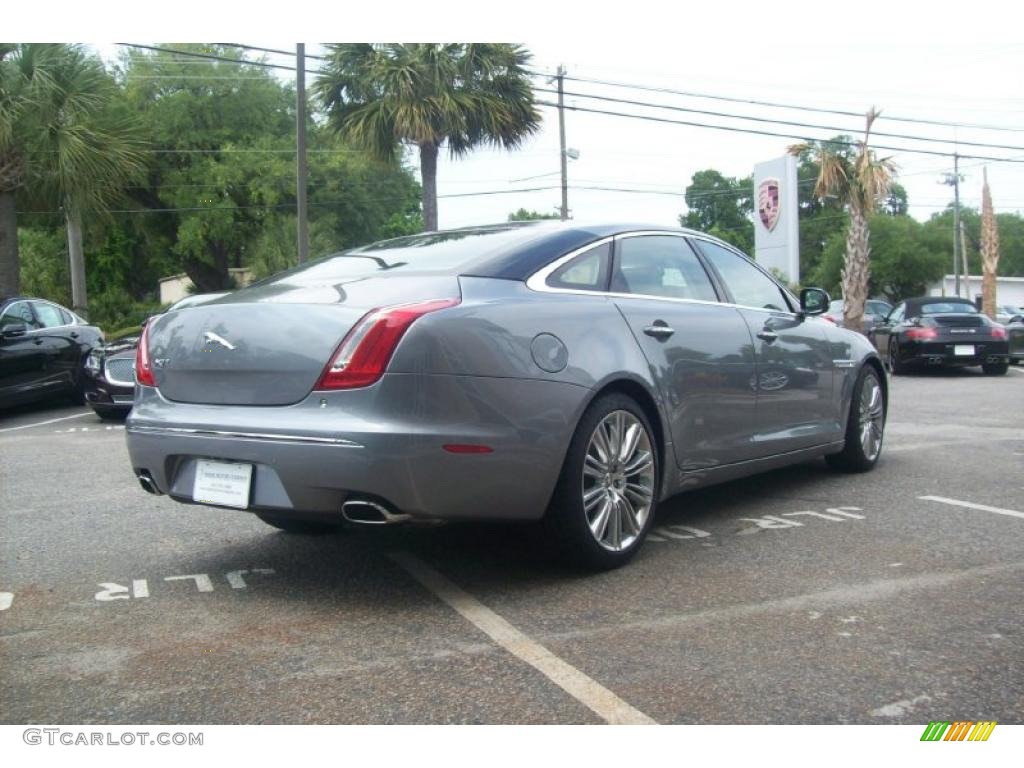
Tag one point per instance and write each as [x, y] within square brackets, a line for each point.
[517, 250]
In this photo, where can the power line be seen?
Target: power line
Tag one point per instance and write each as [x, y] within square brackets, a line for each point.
[775, 134]
[778, 105]
[675, 108]
[272, 50]
[214, 57]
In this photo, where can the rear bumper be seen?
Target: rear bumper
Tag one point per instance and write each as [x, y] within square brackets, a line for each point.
[383, 443]
[945, 353]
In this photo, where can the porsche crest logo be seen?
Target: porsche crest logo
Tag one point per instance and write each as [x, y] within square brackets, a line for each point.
[768, 203]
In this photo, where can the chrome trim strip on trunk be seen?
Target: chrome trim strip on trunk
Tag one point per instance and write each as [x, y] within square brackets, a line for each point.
[219, 433]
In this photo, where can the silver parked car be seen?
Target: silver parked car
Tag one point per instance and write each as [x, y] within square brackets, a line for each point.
[575, 374]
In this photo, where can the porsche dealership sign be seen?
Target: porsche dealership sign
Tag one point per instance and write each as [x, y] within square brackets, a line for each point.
[776, 227]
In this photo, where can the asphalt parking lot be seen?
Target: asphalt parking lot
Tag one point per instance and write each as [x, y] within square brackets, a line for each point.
[796, 597]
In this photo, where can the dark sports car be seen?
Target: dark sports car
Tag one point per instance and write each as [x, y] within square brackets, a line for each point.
[942, 331]
[42, 347]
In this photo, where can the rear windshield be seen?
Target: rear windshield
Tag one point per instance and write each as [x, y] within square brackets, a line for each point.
[948, 308]
[429, 252]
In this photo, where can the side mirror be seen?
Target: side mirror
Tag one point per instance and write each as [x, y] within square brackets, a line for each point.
[814, 301]
[14, 330]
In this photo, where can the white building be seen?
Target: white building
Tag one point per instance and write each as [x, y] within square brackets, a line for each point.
[1009, 290]
[177, 287]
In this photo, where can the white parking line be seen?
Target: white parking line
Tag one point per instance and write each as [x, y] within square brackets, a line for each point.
[48, 421]
[971, 505]
[6, 598]
[587, 691]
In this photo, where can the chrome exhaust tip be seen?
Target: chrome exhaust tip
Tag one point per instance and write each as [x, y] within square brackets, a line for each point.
[146, 481]
[365, 512]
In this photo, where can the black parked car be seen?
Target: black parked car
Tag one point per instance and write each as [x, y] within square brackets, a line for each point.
[109, 371]
[108, 378]
[42, 348]
[936, 330]
[1015, 330]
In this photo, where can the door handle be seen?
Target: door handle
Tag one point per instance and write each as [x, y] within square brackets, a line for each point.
[659, 330]
[768, 336]
[37, 342]
[73, 334]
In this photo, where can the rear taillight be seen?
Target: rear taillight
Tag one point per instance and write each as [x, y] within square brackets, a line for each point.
[998, 332]
[143, 364]
[922, 334]
[365, 352]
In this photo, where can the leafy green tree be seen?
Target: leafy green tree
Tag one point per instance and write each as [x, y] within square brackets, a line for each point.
[861, 184]
[524, 215]
[89, 149]
[902, 264]
[721, 206]
[460, 94]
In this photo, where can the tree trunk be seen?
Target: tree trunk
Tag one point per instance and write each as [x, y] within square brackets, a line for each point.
[857, 270]
[10, 265]
[428, 172]
[76, 259]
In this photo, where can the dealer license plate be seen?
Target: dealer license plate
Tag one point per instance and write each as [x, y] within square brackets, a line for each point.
[222, 483]
[964, 350]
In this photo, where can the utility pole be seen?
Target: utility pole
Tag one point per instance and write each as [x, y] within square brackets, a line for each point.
[564, 210]
[953, 180]
[301, 180]
[965, 262]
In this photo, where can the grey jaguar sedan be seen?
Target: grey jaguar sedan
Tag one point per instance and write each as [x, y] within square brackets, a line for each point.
[568, 374]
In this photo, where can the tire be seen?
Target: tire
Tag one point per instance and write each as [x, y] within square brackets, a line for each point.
[861, 449]
[896, 367]
[298, 525]
[111, 414]
[601, 510]
[995, 369]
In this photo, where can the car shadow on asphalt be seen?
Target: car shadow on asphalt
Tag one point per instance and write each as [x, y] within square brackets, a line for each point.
[354, 563]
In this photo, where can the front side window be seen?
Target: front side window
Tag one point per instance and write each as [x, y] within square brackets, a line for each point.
[587, 272]
[17, 314]
[49, 315]
[749, 286]
[660, 265]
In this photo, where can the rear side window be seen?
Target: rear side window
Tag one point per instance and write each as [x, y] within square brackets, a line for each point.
[896, 315]
[749, 286]
[587, 272]
[659, 265]
[49, 315]
[17, 314]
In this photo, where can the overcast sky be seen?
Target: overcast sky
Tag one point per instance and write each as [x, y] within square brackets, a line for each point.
[961, 64]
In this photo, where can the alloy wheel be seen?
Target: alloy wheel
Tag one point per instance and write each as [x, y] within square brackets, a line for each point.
[871, 417]
[618, 480]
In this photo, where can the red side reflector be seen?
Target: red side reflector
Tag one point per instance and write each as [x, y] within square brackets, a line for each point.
[467, 448]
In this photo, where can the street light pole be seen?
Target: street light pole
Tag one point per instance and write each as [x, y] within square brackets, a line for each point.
[301, 175]
[564, 210]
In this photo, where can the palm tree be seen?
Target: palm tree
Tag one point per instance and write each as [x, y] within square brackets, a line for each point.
[860, 182]
[989, 249]
[460, 94]
[88, 150]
